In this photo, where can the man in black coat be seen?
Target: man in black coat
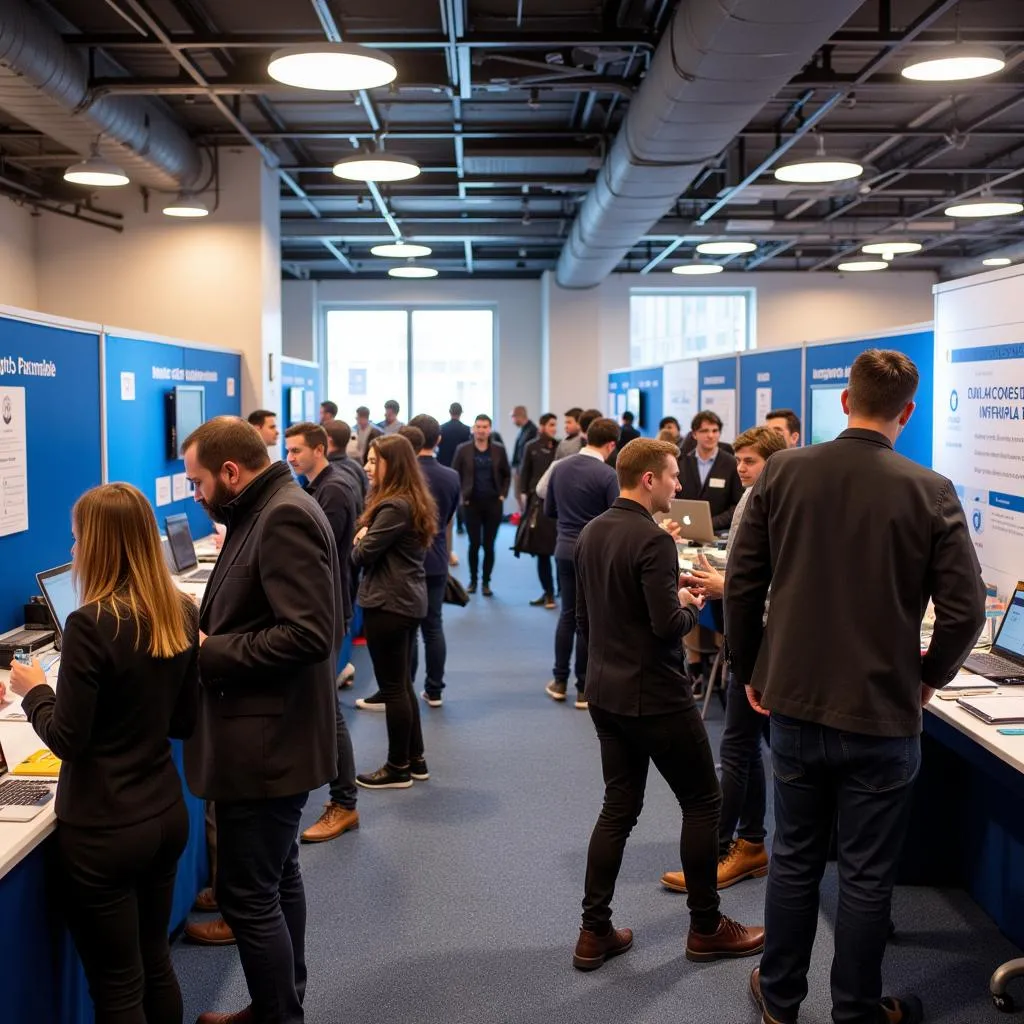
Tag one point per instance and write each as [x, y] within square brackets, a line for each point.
[527, 432]
[708, 473]
[265, 735]
[853, 540]
[537, 533]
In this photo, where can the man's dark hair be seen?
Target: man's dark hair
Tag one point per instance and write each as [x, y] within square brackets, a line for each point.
[587, 417]
[430, 429]
[483, 416]
[331, 407]
[666, 420]
[705, 416]
[575, 412]
[362, 411]
[455, 409]
[312, 433]
[791, 418]
[260, 416]
[882, 383]
[627, 417]
[227, 439]
[391, 405]
[547, 418]
[602, 431]
[339, 433]
[414, 436]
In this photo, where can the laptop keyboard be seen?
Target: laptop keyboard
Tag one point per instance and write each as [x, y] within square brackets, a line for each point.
[24, 792]
[992, 664]
[199, 576]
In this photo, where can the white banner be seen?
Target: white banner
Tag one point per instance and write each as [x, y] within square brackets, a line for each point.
[680, 395]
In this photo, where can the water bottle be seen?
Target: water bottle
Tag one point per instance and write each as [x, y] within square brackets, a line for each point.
[21, 657]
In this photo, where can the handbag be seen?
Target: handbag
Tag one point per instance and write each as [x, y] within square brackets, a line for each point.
[455, 592]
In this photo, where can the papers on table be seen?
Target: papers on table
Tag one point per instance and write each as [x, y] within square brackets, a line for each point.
[996, 708]
[969, 681]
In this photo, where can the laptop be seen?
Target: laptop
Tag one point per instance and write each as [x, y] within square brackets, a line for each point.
[183, 549]
[21, 799]
[694, 519]
[1006, 660]
[58, 589]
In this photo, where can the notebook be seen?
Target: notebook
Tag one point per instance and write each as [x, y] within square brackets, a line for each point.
[994, 709]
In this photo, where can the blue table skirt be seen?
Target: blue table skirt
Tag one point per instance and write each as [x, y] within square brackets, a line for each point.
[43, 978]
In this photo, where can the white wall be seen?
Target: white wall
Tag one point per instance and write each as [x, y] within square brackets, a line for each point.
[18, 286]
[298, 319]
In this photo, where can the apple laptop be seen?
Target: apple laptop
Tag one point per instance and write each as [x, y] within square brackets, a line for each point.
[1007, 658]
[694, 519]
[183, 550]
[21, 799]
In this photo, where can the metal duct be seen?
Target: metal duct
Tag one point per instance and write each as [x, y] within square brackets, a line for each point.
[718, 64]
[45, 84]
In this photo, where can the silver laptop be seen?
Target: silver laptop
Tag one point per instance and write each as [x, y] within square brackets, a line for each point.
[183, 550]
[21, 799]
[58, 590]
[1006, 662]
[694, 519]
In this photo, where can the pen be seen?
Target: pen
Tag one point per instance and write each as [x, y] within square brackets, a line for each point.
[1010, 732]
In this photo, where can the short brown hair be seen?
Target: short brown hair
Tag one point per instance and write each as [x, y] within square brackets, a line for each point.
[642, 455]
[882, 383]
[227, 439]
[415, 437]
[602, 431]
[763, 440]
[791, 418]
[312, 433]
[587, 417]
[339, 433]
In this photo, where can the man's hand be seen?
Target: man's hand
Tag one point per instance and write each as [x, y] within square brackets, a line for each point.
[754, 699]
[691, 600]
[671, 527]
[927, 692]
[708, 583]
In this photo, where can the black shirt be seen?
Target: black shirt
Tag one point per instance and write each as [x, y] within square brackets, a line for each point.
[484, 487]
[453, 433]
[336, 494]
[354, 471]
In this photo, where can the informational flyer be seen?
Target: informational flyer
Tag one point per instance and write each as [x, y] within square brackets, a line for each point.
[723, 402]
[13, 462]
[763, 404]
[681, 391]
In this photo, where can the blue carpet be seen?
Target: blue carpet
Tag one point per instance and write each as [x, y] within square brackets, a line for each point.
[458, 900]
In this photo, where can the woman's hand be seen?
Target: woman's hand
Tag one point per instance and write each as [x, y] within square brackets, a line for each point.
[360, 535]
[26, 677]
[710, 583]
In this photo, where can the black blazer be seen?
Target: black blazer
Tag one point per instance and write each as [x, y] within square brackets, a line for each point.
[854, 540]
[628, 611]
[463, 465]
[110, 720]
[722, 488]
[273, 615]
[336, 491]
[527, 433]
[536, 534]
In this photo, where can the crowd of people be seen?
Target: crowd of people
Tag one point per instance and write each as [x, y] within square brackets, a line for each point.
[251, 679]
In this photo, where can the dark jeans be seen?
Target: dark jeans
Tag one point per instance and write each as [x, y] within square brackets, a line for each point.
[678, 745]
[868, 781]
[116, 887]
[343, 787]
[482, 521]
[565, 632]
[389, 639]
[545, 575]
[260, 894]
[743, 786]
[434, 646]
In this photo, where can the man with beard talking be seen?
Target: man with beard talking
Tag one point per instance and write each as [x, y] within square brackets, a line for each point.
[265, 735]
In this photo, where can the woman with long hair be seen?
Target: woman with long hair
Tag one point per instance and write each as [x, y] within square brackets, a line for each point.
[396, 529]
[128, 681]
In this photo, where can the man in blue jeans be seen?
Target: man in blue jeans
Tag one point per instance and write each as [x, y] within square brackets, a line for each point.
[854, 540]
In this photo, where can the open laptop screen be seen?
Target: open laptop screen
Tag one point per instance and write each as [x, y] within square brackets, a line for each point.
[58, 589]
[179, 536]
[1010, 639]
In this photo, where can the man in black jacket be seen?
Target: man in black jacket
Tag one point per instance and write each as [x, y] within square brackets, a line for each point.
[527, 432]
[708, 473]
[453, 433]
[632, 616]
[265, 735]
[339, 435]
[485, 477]
[537, 533]
[853, 540]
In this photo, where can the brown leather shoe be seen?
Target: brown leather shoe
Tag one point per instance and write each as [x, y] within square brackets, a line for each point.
[744, 860]
[592, 949]
[730, 940]
[755, 994]
[335, 820]
[238, 1017]
[210, 933]
[206, 902]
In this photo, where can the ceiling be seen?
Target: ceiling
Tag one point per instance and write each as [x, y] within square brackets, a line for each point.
[510, 107]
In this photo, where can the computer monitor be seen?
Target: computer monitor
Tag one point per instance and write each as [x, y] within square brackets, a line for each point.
[179, 538]
[1009, 640]
[58, 589]
[828, 420]
[186, 410]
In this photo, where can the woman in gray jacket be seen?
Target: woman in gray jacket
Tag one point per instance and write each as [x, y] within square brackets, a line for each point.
[396, 529]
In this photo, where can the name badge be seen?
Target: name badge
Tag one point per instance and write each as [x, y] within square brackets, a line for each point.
[716, 482]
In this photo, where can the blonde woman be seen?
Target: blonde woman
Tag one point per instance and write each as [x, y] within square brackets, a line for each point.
[128, 681]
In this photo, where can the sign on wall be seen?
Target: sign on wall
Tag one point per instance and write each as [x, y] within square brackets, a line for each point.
[13, 462]
[681, 391]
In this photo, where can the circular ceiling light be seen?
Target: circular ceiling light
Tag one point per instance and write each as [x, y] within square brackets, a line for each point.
[955, 63]
[984, 208]
[97, 172]
[890, 249]
[332, 67]
[401, 250]
[997, 261]
[818, 170]
[412, 271]
[725, 248]
[698, 269]
[376, 167]
[859, 266]
[187, 206]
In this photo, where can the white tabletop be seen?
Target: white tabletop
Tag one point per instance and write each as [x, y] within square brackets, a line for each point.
[1009, 749]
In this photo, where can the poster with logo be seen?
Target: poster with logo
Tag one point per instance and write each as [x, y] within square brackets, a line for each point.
[979, 444]
[13, 462]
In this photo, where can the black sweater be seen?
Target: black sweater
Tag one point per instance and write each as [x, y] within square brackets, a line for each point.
[111, 719]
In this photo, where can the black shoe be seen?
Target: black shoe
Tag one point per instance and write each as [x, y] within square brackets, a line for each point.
[555, 690]
[487, 592]
[375, 702]
[541, 601]
[386, 777]
[418, 769]
[471, 589]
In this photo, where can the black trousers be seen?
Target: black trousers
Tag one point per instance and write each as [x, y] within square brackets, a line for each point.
[482, 521]
[343, 787]
[434, 645]
[678, 745]
[389, 639]
[743, 785]
[260, 894]
[545, 575]
[566, 635]
[116, 887]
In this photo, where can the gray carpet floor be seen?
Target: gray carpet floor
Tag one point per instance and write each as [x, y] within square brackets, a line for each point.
[458, 900]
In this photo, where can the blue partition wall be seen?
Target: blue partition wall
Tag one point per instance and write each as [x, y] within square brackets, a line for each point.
[649, 381]
[63, 450]
[297, 373]
[781, 370]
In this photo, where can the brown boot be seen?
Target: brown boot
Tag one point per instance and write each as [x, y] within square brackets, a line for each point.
[755, 994]
[238, 1017]
[730, 940]
[592, 949]
[210, 933]
[744, 860]
[335, 820]
[206, 902]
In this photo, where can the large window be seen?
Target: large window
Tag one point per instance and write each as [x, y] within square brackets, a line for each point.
[664, 325]
[425, 359]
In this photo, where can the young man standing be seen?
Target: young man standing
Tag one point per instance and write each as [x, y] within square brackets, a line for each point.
[339, 435]
[328, 412]
[634, 618]
[573, 440]
[527, 432]
[391, 424]
[579, 489]
[787, 423]
[708, 473]
[341, 502]
[485, 478]
[265, 422]
[453, 433]
[537, 534]
[364, 433]
[627, 432]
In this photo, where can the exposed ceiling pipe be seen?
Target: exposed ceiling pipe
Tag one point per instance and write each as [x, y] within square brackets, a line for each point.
[45, 83]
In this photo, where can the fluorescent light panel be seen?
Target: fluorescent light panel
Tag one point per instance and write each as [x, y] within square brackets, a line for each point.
[984, 208]
[697, 269]
[332, 67]
[956, 63]
[401, 250]
[725, 248]
[378, 167]
[863, 266]
[413, 271]
[819, 170]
